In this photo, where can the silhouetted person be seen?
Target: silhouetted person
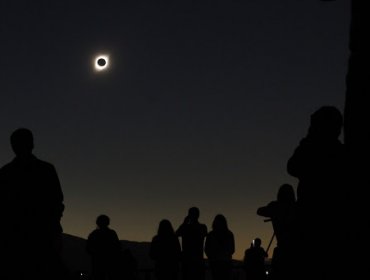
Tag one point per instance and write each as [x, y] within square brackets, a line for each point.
[254, 261]
[319, 164]
[192, 235]
[219, 248]
[165, 250]
[283, 213]
[105, 249]
[33, 201]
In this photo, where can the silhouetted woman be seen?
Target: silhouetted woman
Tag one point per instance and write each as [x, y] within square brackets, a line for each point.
[282, 213]
[219, 248]
[105, 250]
[254, 261]
[165, 251]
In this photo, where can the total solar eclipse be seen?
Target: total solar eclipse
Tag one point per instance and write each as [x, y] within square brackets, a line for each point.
[101, 62]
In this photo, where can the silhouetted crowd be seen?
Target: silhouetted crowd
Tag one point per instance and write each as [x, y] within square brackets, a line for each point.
[309, 227]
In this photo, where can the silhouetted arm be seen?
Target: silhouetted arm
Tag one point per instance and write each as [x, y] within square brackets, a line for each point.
[118, 244]
[153, 249]
[51, 198]
[293, 164]
[231, 245]
[56, 193]
[90, 244]
[180, 231]
[303, 158]
[177, 248]
[205, 230]
[266, 211]
[208, 246]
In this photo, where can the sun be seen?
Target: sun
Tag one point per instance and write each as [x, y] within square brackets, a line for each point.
[101, 62]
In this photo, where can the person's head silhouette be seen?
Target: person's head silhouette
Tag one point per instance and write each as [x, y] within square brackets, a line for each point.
[257, 242]
[102, 221]
[193, 214]
[165, 228]
[326, 123]
[219, 223]
[286, 194]
[22, 142]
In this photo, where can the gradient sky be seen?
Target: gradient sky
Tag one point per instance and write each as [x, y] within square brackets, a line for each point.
[203, 105]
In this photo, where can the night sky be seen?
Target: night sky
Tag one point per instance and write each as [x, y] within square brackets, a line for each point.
[202, 105]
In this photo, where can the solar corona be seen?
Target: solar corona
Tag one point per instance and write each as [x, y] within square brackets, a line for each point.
[101, 63]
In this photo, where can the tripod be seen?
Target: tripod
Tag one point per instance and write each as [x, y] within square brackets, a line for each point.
[272, 237]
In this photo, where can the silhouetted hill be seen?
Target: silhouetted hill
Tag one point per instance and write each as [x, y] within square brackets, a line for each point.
[74, 253]
[76, 258]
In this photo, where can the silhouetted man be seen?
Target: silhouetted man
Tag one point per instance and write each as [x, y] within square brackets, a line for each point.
[319, 164]
[105, 250]
[33, 201]
[192, 235]
[254, 261]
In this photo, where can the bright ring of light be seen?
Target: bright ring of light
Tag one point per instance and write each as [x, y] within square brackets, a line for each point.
[99, 62]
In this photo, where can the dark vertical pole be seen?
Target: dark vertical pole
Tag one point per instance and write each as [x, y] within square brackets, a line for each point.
[357, 110]
[356, 225]
[357, 134]
[270, 243]
[356, 123]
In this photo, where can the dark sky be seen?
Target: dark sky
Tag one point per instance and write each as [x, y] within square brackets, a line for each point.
[203, 104]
